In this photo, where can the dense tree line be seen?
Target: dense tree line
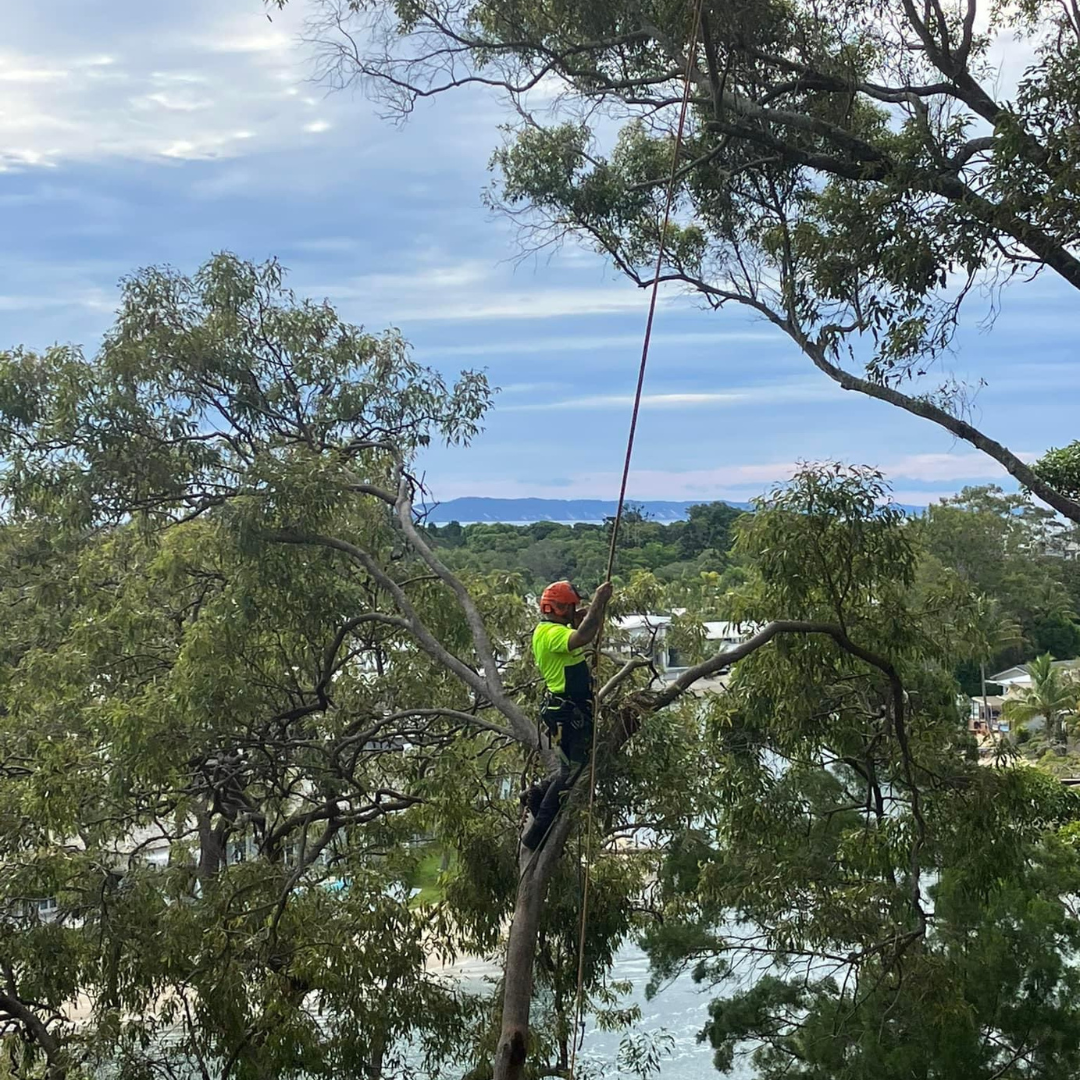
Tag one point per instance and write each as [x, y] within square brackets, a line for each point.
[547, 551]
[1020, 557]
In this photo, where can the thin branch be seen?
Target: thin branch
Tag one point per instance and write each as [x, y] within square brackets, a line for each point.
[622, 675]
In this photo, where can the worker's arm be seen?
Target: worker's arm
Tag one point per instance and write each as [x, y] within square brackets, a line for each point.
[590, 625]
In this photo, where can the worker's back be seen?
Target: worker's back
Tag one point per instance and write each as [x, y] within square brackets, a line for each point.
[565, 670]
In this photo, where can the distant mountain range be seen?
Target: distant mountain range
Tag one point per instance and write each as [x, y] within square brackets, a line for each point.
[521, 511]
[470, 509]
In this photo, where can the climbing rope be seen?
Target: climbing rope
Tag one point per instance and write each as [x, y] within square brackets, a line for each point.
[660, 247]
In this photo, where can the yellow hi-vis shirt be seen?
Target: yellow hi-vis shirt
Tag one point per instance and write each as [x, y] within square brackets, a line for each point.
[565, 670]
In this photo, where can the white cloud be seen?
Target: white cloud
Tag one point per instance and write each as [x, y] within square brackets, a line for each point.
[459, 275]
[14, 158]
[153, 87]
[593, 342]
[182, 77]
[762, 394]
[173, 102]
[536, 304]
[441, 289]
[245, 40]
[91, 299]
[527, 388]
[28, 74]
[932, 467]
[738, 481]
[452, 294]
[205, 148]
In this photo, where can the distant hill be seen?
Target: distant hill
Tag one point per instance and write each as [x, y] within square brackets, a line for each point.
[523, 511]
[471, 509]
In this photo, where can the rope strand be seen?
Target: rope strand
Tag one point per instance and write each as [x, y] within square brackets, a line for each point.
[578, 1036]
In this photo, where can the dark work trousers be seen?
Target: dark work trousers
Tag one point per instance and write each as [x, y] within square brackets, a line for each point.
[569, 724]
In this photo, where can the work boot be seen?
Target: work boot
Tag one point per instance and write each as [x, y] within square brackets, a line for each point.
[544, 814]
[532, 797]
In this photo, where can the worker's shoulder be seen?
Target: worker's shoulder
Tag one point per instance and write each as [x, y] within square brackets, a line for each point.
[551, 635]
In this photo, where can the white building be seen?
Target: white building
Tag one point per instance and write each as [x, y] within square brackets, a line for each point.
[1019, 677]
[648, 635]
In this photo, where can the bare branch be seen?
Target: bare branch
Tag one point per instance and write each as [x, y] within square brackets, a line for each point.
[427, 641]
[616, 680]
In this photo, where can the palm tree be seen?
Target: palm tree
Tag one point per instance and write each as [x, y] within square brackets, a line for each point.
[999, 633]
[1053, 695]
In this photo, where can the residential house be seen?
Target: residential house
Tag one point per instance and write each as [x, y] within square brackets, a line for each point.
[1011, 681]
[648, 635]
[986, 715]
[1019, 677]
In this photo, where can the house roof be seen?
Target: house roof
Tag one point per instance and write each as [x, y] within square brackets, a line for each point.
[641, 622]
[1016, 672]
[1020, 674]
[715, 630]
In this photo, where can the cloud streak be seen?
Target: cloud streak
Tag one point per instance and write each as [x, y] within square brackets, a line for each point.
[138, 89]
[738, 481]
[764, 394]
[596, 342]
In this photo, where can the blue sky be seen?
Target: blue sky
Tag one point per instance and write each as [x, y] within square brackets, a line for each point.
[135, 134]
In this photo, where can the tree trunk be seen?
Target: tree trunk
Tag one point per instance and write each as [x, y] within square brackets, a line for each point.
[535, 874]
[987, 719]
[378, 1054]
[537, 868]
[212, 840]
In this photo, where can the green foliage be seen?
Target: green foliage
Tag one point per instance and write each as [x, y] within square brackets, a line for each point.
[230, 741]
[1060, 468]
[869, 900]
[241, 710]
[1010, 551]
[690, 555]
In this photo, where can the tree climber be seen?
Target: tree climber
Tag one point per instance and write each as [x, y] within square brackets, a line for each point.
[558, 646]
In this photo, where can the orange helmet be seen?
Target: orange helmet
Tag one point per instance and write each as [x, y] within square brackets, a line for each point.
[559, 594]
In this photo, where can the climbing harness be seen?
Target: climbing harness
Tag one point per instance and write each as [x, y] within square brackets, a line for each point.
[578, 1032]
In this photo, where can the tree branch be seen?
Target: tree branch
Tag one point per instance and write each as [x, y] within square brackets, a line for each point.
[35, 1027]
[427, 641]
[960, 428]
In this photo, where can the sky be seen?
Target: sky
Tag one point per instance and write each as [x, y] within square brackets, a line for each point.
[136, 134]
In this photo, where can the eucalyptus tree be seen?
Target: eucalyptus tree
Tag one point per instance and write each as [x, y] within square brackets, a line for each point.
[230, 645]
[229, 639]
[851, 173]
[865, 899]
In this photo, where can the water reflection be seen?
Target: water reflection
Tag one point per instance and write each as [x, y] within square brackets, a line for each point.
[680, 1009]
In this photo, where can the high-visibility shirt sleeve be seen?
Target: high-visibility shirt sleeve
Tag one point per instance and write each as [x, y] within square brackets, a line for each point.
[555, 638]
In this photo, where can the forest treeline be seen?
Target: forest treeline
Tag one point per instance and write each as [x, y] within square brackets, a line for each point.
[1022, 558]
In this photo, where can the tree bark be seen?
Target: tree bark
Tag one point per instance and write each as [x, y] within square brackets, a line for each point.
[211, 847]
[35, 1028]
[536, 870]
[986, 704]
